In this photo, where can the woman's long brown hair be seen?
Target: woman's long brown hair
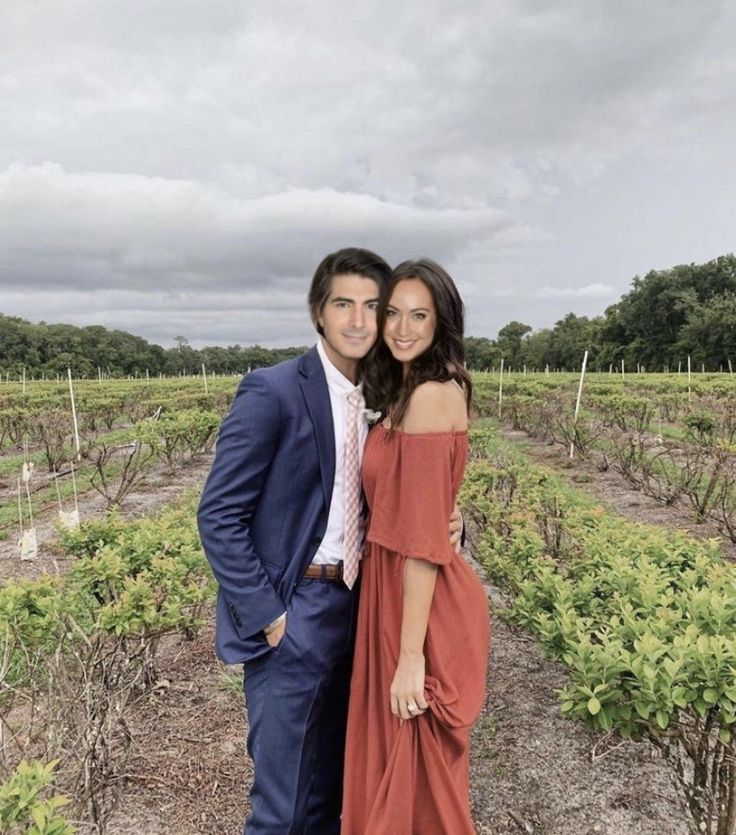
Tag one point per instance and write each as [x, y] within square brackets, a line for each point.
[384, 386]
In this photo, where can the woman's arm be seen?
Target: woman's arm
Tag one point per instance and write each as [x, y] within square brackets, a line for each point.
[434, 407]
[407, 687]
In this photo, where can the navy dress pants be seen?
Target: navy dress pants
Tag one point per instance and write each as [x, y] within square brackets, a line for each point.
[297, 697]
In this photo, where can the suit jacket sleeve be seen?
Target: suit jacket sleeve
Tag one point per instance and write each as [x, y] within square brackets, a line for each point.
[246, 445]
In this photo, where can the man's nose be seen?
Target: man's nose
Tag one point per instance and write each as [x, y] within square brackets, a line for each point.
[357, 319]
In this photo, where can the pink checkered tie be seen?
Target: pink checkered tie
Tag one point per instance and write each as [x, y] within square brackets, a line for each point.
[350, 553]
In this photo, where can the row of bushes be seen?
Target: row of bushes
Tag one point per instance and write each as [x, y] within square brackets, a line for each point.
[694, 462]
[80, 649]
[644, 620]
[49, 428]
[117, 463]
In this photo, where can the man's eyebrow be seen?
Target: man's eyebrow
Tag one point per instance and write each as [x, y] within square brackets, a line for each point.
[352, 301]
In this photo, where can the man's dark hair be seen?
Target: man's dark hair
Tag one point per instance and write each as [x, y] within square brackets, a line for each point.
[351, 260]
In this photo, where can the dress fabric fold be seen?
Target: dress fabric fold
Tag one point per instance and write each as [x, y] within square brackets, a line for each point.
[412, 777]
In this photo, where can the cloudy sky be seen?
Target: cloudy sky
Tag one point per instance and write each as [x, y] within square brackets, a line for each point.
[180, 166]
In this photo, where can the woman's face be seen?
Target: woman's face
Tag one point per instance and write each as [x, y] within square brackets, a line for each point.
[411, 320]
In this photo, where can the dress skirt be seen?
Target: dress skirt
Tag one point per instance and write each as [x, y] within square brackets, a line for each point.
[412, 777]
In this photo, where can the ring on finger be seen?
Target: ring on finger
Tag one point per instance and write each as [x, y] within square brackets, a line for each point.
[411, 708]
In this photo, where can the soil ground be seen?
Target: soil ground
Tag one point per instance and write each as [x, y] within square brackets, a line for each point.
[532, 770]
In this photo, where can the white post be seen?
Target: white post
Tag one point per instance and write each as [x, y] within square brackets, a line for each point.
[20, 511]
[500, 389]
[76, 498]
[74, 416]
[148, 379]
[577, 404]
[689, 378]
[24, 379]
[730, 367]
[623, 369]
[204, 377]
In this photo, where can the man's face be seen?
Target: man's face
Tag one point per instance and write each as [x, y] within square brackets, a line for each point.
[348, 320]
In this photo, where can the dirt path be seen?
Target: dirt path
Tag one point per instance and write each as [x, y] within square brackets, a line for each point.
[532, 771]
[535, 772]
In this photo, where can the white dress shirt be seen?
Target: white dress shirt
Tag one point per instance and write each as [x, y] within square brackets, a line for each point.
[330, 550]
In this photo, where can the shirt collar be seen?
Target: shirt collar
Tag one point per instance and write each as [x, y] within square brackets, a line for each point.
[337, 382]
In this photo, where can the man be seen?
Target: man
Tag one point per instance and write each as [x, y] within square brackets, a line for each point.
[280, 524]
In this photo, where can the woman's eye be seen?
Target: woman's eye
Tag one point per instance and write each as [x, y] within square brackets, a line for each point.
[420, 316]
[390, 313]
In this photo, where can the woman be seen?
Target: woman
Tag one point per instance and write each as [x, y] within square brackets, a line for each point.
[423, 628]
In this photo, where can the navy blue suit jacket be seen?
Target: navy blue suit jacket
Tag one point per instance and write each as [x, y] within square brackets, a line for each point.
[264, 509]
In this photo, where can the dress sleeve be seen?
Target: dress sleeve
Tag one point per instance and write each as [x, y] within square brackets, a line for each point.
[414, 498]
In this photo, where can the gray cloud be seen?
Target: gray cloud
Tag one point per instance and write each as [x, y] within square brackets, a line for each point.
[181, 166]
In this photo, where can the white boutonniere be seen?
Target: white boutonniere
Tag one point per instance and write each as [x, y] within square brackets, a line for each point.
[371, 416]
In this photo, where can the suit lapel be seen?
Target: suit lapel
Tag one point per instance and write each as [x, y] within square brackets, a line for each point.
[317, 397]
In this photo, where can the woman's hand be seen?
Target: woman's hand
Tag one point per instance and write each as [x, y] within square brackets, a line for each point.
[457, 526]
[407, 688]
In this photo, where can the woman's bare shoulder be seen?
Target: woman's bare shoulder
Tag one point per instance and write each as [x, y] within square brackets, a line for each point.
[436, 407]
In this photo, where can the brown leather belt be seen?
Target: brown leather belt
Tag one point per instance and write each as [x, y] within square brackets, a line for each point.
[324, 572]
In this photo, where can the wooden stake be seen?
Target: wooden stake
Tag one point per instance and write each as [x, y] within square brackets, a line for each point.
[74, 487]
[74, 416]
[577, 404]
[20, 511]
[500, 389]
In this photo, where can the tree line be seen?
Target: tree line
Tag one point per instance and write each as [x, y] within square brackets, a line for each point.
[45, 350]
[669, 314]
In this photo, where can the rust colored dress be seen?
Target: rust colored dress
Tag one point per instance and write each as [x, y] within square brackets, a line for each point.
[411, 778]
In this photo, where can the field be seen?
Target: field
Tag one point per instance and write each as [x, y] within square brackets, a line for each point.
[612, 684]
